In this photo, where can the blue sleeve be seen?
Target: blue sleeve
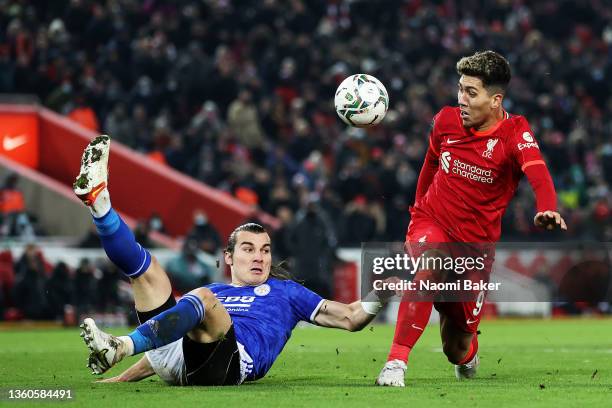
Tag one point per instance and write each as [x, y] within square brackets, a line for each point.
[304, 302]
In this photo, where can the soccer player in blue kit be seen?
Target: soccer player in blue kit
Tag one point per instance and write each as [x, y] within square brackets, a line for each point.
[221, 334]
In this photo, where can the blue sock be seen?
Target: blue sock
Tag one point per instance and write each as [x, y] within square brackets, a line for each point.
[168, 326]
[121, 246]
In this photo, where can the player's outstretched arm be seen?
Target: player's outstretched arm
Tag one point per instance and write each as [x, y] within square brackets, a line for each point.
[546, 198]
[139, 371]
[536, 171]
[353, 316]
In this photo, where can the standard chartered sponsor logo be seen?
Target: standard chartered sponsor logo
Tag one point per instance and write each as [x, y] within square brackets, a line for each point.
[446, 156]
[463, 169]
[472, 172]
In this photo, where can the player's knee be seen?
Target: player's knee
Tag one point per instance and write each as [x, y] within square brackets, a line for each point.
[154, 273]
[204, 294]
[155, 267]
[454, 351]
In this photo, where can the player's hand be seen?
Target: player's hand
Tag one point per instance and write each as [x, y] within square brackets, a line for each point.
[549, 220]
[385, 295]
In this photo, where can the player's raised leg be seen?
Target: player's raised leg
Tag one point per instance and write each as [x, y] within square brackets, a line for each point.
[149, 281]
[151, 286]
[198, 314]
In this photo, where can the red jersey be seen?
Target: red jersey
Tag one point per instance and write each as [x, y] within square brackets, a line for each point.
[477, 174]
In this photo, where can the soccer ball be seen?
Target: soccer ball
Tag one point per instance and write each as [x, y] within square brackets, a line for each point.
[361, 100]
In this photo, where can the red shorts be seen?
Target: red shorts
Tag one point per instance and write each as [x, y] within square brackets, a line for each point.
[465, 315]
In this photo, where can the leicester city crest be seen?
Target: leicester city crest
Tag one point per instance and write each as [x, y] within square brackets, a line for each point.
[262, 290]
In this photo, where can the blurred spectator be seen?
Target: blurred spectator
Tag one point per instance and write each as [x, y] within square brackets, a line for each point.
[155, 223]
[313, 243]
[29, 292]
[280, 238]
[141, 233]
[359, 226]
[186, 271]
[7, 277]
[108, 288]
[91, 239]
[118, 125]
[11, 199]
[84, 115]
[85, 286]
[204, 234]
[243, 120]
[59, 290]
[15, 220]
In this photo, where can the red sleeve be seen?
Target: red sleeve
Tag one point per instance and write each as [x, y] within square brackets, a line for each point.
[430, 165]
[542, 185]
[527, 154]
[428, 171]
[525, 148]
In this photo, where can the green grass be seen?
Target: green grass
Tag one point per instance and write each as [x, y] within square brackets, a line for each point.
[523, 363]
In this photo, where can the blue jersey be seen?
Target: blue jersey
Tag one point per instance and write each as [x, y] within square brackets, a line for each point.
[265, 315]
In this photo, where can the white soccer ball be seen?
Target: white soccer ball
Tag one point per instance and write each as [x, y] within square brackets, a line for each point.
[361, 100]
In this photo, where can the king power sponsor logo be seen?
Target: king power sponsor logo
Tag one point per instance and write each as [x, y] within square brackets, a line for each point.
[236, 301]
[468, 171]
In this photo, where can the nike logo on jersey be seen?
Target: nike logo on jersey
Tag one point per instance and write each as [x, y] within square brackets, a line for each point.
[12, 142]
[450, 141]
[470, 321]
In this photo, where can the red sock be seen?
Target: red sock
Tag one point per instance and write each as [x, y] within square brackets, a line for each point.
[412, 319]
[472, 350]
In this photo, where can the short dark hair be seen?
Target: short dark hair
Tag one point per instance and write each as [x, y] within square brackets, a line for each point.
[492, 69]
[277, 271]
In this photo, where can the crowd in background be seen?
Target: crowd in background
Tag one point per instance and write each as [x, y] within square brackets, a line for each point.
[33, 287]
[238, 94]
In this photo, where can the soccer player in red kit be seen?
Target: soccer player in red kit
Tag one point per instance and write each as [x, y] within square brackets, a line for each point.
[477, 155]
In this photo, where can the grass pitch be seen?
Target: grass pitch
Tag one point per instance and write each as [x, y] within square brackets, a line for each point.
[523, 363]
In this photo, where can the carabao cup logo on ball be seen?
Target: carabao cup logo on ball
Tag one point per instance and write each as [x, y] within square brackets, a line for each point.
[361, 100]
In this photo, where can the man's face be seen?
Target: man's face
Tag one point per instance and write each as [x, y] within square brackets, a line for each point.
[252, 258]
[476, 105]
